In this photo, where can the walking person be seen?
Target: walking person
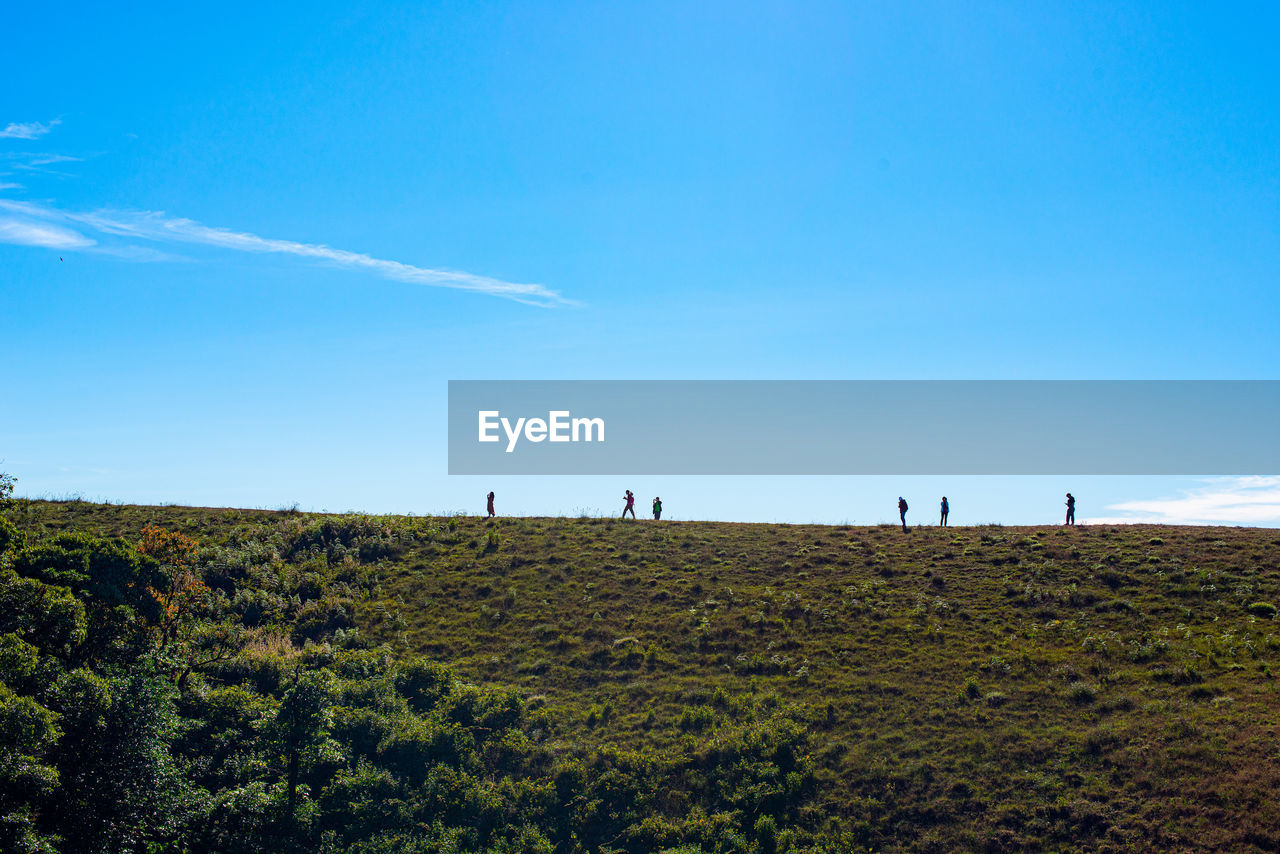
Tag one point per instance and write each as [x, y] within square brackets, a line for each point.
[902, 511]
[1071, 510]
[657, 509]
[946, 508]
[491, 513]
[631, 505]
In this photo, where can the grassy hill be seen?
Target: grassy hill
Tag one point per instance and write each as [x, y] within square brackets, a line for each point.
[974, 688]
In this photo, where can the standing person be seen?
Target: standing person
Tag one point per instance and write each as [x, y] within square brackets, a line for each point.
[1071, 510]
[657, 509]
[946, 508]
[902, 511]
[631, 505]
[491, 513]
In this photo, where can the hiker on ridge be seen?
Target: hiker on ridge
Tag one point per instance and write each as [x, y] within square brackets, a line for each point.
[631, 505]
[946, 508]
[491, 513]
[1071, 510]
[902, 511]
[657, 509]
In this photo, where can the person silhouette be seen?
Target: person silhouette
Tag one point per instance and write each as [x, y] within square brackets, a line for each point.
[657, 508]
[946, 508]
[490, 497]
[902, 511]
[1071, 510]
[631, 505]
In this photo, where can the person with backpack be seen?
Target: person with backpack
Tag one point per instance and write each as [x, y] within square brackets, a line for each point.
[631, 505]
[946, 508]
[902, 511]
[657, 509]
[491, 513]
[1071, 510]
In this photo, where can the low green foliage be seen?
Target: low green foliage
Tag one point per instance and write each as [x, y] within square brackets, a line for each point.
[299, 682]
[1265, 610]
[7, 483]
[164, 691]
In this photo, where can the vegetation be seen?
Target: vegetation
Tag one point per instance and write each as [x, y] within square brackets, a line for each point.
[182, 679]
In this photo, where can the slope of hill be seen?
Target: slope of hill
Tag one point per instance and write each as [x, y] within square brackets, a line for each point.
[767, 688]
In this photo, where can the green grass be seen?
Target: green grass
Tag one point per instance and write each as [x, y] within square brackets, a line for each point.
[986, 688]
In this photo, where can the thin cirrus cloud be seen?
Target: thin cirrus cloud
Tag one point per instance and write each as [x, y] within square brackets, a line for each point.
[132, 235]
[1229, 500]
[36, 161]
[28, 130]
[33, 165]
[42, 234]
[30, 224]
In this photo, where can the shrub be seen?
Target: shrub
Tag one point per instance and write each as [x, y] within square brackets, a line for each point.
[766, 834]
[7, 482]
[696, 718]
[11, 539]
[423, 683]
[1083, 693]
[1265, 610]
[600, 713]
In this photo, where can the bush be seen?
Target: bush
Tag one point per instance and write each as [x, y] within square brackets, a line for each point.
[696, 718]
[1083, 693]
[11, 539]
[766, 834]
[1265, 610]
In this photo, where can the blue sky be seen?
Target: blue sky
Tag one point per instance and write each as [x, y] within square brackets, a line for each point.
[283, 229]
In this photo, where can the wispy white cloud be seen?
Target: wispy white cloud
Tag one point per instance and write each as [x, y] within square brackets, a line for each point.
[140, 253]
[118, 233]
[36, 160]
[160, 228]
[1227, 500]
[7, 185]
[42, 234]
[28, 130]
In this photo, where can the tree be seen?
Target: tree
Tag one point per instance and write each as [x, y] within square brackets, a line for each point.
[121, 789]
[11, 539]
[113, 582]
[182, 591]
[7, 482]
[27, 732]
[301, 724]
